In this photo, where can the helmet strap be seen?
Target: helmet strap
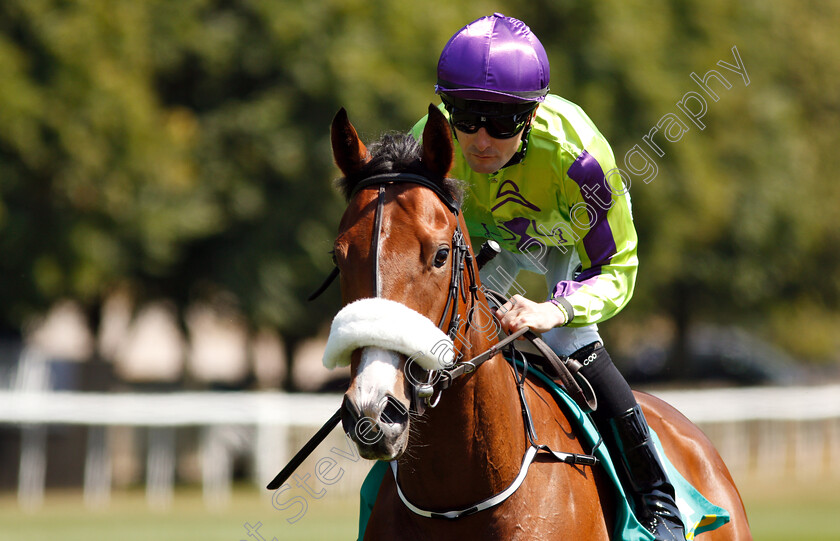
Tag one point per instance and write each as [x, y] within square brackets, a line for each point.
[523, 147]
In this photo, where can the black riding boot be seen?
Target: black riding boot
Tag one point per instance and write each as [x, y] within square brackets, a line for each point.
[620, 420]
[645, 477]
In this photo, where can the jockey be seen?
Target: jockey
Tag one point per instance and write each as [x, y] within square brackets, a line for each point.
[542, 182]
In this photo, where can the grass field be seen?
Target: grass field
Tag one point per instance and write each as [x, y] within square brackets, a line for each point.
[778, 511]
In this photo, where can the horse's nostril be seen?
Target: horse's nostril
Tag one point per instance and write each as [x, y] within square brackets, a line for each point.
[350, 415]
[394, 412]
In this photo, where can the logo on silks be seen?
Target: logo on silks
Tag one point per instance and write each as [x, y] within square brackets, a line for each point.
[512, 195]
[516, 228]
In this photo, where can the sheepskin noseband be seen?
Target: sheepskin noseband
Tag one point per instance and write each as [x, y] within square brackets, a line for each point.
[388, 325]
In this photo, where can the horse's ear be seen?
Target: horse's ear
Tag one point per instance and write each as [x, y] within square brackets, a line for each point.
[349, 151]
[438, 150]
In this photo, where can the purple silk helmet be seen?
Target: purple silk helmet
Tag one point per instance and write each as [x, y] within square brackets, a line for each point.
[494, 58]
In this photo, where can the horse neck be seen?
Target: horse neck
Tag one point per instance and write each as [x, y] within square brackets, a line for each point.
[471, 444]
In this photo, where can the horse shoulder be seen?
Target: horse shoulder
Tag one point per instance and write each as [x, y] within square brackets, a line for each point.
[581, 498]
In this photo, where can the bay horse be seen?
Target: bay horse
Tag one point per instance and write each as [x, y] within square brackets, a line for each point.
[397, 252]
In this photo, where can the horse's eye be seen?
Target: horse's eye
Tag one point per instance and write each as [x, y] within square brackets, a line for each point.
[441, 257]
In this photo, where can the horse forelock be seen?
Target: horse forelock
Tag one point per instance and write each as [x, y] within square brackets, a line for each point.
[398, 153]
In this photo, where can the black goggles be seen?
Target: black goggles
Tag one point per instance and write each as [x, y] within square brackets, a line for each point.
[497, 126]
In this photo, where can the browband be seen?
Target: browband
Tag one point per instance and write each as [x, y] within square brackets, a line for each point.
[376, 180]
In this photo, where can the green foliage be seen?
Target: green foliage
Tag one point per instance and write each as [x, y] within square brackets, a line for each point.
[183, 147]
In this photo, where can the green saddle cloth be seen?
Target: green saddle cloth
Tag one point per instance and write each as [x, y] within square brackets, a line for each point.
[697, 512]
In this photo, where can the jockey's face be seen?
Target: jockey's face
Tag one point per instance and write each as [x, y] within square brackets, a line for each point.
[485, 154]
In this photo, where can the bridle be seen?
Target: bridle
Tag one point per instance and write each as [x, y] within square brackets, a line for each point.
[462, 261]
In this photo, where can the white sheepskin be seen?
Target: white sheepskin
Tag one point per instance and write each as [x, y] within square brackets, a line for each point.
[388, 325]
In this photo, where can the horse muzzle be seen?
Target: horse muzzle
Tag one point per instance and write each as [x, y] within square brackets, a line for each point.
[380, 429]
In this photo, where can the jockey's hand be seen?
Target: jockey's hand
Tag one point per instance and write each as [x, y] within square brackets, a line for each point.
[520, 312]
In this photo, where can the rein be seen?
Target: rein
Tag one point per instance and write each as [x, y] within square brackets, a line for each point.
[467, 367]
[462, 260]
[585, 400]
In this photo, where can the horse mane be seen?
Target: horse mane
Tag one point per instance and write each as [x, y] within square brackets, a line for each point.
[398, 153]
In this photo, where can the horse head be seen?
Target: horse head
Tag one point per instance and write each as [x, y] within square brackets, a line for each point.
[397, 243]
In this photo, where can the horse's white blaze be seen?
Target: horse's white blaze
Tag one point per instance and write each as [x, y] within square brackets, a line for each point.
[377, 270]
[380, 239]
[376, 377]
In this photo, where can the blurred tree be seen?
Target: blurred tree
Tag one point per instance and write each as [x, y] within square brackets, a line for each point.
[263, 80]
[183, 148]
[96, 181]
